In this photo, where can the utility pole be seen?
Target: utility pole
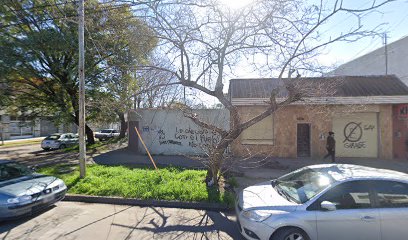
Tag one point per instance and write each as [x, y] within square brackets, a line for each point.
[386, 53]
[81, 69]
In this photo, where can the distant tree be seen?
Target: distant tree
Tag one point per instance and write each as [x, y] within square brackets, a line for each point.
[39, 55]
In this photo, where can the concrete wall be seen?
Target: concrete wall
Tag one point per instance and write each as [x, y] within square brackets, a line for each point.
[169, 132]
[4, 127]
[37, 128]
[321, 120]
[373, 63]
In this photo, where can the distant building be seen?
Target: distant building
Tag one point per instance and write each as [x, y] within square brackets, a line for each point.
[15, 127]
[387, 60]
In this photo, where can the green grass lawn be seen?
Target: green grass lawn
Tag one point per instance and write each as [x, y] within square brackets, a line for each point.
[142, 183]
[98, 145]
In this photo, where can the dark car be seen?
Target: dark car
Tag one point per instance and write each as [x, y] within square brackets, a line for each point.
[22, 191]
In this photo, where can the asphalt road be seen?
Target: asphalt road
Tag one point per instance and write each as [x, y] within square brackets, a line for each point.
[71, 220]
[35, 155]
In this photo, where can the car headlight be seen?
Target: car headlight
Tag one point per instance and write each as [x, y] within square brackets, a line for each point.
[256, 215]
[61, 185]
[20, 199]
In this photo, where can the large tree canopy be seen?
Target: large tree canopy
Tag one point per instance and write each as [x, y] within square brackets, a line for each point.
[39, 54]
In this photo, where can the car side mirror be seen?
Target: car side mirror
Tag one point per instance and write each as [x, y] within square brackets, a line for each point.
[329, 206]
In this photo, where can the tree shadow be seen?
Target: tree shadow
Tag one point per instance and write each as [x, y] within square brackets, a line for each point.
[161, 222]
[208, 225]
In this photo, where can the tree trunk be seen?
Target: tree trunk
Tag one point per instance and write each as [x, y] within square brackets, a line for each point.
[215, 164]
[217, 156]
[89, 134]
[88, 130]
[123, 124]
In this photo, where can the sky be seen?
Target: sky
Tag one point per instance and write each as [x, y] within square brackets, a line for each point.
[393, 19]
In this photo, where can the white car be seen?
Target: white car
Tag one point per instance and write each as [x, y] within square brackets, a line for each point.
[106, 134]
[59, 141]
[327, 202]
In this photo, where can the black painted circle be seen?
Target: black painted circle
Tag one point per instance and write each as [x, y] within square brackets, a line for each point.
[354, 127]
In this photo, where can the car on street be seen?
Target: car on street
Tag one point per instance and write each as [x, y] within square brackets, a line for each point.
[326, 202]
[59, 141]
[106, 134]
[23, 192]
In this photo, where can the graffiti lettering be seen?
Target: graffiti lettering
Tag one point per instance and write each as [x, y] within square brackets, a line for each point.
[180, 136]
[161, 134]
[170, 142]
[199, 145]
[369, 127]
[355, 145]
[195, 138]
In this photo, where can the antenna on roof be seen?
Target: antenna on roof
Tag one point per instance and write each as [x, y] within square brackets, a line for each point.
[386, 53]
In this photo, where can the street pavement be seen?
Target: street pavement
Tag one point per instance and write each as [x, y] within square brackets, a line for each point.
[72, 220]
[33, 154]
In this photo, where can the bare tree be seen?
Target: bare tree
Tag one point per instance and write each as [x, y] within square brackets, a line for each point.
[156, 87]
[207, 42]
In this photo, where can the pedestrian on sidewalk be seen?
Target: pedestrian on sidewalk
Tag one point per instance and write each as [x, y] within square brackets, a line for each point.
[331, 147]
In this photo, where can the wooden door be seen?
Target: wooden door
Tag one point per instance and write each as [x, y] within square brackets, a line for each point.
[303, 140]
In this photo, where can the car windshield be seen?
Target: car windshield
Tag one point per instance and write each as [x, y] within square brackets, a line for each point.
[302, 185]
[53, 137]
[12, 170]
[106, 131]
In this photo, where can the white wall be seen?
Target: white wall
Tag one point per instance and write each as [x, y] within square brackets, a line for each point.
[373, 63]
[168, 132]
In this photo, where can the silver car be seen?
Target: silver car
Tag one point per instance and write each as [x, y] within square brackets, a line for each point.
[23, 191]
[59, 141]
[327, 202]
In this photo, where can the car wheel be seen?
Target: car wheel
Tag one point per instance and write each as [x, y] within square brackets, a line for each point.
[290, 233]
[62, 146]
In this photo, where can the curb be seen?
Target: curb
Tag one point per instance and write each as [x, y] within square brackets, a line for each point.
[147, 203]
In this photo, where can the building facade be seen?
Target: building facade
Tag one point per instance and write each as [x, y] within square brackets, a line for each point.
[367, 114]
[15, 127]
[389, 59]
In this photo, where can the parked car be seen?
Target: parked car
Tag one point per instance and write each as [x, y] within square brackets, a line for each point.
[106, 134]
[22, 191]
[59, 141]
[322, 202]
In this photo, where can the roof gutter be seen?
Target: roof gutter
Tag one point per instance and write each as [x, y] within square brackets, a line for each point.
[326, 100]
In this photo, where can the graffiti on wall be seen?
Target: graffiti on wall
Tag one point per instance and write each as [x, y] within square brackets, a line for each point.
[354, 134]
[194, 138]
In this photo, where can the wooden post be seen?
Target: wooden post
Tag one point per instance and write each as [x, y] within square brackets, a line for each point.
[81, 69]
